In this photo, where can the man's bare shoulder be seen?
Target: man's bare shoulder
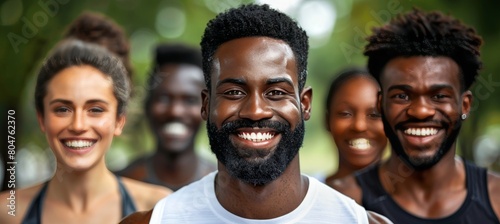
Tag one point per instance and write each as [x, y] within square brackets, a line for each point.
[347, 186]
[138, 218]
[494, 191]
[145, 195]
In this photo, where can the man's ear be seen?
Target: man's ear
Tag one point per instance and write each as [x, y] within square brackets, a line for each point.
[467, 102]
[205, 97]
[306, 102]
[39, 118]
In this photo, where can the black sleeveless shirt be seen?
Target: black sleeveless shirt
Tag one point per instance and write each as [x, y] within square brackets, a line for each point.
[34, 213]
[475, 209]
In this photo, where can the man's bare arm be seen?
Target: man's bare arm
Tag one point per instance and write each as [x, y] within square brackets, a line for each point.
[138, 218]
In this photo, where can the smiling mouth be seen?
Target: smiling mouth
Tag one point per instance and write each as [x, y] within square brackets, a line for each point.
[175, 129]
[256, 136]
[360, 143]
[78, 144]
[421, 131]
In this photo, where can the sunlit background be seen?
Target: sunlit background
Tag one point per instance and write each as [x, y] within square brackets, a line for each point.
[337, 28]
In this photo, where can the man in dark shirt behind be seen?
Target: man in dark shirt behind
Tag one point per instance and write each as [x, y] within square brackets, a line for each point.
[425, 64]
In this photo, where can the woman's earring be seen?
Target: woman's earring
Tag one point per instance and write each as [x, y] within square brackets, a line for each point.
[464, 116]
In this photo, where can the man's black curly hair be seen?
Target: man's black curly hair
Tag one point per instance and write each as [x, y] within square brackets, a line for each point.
[164, 54]
[254, 20]
[434, 34]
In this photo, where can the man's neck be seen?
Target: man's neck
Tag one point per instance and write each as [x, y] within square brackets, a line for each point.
[432, 193]
[272, 200]
[344, 169]
[397, 177]
[174, 160]
[176, 169]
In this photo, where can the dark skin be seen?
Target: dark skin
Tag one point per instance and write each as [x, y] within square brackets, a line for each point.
[174, 117]
[254, 63]
[423, 89]
[142, 217]
[256, 78]
[354, 118]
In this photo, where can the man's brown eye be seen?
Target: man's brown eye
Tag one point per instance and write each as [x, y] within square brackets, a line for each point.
[276, 93]
[234, 92]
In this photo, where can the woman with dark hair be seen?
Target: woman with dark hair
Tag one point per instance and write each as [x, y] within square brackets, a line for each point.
[80, 97]
[353, 121]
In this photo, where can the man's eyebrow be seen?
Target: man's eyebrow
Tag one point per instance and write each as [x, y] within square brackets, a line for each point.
[400, 87]
[279, 80]
[441, 86]
[433, 87]
[231, 80]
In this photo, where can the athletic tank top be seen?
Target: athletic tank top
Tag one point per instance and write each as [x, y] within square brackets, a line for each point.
[476, 207]
[34, 214]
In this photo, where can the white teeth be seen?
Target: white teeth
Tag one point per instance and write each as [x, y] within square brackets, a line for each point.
[360, 143]
[78, 143]
[256, 137]
[175, 128]
[421, 131]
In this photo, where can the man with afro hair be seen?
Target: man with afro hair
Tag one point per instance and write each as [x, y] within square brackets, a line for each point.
[425, 63]
[255, 105]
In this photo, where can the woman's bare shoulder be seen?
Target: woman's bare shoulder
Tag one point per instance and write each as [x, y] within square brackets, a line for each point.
[16, 202]
[145, 195]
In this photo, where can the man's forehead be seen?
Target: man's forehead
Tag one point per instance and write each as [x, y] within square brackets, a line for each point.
[254, 55]
[411, 69]
[253, 45]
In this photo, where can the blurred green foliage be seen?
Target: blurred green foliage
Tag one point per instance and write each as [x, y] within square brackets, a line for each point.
[22, 50]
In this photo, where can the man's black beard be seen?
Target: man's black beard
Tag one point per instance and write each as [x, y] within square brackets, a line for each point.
[259, 171]
[420, 164]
